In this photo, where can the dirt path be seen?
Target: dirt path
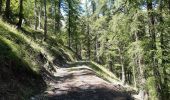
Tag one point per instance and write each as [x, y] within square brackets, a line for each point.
[80, 83]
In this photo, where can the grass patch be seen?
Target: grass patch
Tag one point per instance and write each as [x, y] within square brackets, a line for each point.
[19, 66]
[99, 70]
[17, 80]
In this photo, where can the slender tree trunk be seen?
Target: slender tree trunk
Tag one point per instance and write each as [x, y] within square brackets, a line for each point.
[96, 49]
[123, 71]
[134, 73]
[7, 9]
[89, 44]
[156, 72]
[141, 68]
[110, 63]
[88, 32]
[69, 24]
[122, 66]
[35, 14]
[142, 79]
[45, 20]
[163, 48]
[76, 47]
[59, 15]
[169, 6]
[80, 51]
[55, 17]
[20, 13]
[1, 7]
[39, 15]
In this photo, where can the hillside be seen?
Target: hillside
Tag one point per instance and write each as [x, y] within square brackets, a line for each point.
[29, 65]
[23, 59]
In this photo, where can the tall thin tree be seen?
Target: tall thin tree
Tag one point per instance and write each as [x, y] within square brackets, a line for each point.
[58, 16]
[1, 7]
[7, 9]
[69, 23]
[154, 60]
[88, 32]
[39, 14]
[45, 20]
[20, 14]
[35, 14]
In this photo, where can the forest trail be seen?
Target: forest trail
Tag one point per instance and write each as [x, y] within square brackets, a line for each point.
[80, 83]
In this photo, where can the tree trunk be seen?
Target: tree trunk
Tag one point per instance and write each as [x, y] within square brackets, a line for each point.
[89, 44]
[39, 15]
[1, 7]
[59, 16]
[122, 66]
[141, 68]
[20, 14]
[96, 49]
[110, 63]
[7, 9]
[69, 24]
[123, 72]
[45, 20]
[163, 48]
[55, 17]
[155, 69]
[88, 32]
[35, 14]
[169, 6]
[134, 73]
[142, 79]
[76, 47]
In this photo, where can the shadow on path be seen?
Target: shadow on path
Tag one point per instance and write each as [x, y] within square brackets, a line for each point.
[92, 93]
[81, 83]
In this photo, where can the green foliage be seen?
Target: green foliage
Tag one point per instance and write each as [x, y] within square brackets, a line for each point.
[125, 36]
[151, 88]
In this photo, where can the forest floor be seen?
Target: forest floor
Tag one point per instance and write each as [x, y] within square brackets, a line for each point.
[80, 83]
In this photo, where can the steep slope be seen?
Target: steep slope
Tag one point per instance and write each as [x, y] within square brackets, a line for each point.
[23, 60]
[19, 73]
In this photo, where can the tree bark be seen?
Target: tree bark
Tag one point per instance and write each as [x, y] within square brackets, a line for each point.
[59, 16]
[169, 6]
[20, 14]
[122, 66]
[7, 9]
[45, 20]
[155, 69]
[110, 63]
[35, 14]
[140, 65]
[163, 48]
[88, 33]
[134, 73]
[96, 49]
[39, 15]
[89, 44]
[1, 7]
[69, 24]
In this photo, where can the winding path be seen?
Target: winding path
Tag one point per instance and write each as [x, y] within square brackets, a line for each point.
[80, 83]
